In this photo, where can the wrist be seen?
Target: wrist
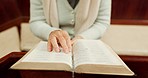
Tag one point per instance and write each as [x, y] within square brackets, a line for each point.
[78, 37]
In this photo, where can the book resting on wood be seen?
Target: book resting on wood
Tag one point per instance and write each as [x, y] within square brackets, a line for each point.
[87, 56]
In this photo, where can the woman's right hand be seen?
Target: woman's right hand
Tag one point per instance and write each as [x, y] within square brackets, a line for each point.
[57, 39]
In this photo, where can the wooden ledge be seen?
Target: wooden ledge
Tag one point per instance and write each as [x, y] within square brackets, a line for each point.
[129, 22]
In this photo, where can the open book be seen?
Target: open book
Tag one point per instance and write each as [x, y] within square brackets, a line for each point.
[87, 56]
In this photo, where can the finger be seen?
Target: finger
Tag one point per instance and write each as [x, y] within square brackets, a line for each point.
[68, 41]
[62, 42]
[72, 41]
[55, 44]
[75, 39]
[49, 46]
[69, 45]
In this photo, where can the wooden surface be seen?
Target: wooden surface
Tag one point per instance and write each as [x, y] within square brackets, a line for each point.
[6, 62]
[138, 64]
[129, 22]
[45, 74]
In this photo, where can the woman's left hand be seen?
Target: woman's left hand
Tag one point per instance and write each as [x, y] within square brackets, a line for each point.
[57, 39]
[75, 39]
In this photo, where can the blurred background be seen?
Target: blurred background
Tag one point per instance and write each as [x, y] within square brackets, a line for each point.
[13, 12]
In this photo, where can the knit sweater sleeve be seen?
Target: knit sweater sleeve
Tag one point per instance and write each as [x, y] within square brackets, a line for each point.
[38, 24]
[101, 23]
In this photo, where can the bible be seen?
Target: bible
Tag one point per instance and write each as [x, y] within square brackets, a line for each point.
[87, 56]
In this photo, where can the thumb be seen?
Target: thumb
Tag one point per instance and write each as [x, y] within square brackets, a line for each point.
[72, 41]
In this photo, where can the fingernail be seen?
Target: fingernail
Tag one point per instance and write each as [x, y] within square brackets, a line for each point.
[49, 49]
[66, 51]
[57, 50]
[70, 49]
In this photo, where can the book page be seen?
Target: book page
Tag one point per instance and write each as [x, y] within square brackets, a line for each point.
[40, 54]
[93, 52]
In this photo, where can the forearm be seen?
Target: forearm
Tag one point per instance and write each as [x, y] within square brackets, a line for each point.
[38, 23]
[41, 29]
[95, 32]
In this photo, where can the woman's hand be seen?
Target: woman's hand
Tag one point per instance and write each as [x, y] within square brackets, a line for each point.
[75, 39]
[57, 39]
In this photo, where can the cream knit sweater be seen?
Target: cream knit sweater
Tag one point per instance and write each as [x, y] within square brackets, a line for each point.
[66, 18]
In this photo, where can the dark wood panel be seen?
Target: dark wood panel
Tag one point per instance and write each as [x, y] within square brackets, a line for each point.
[6, 62]
[138, 64]
[3, 14]
[13, 12]
[130, 9]
[24, 6]
[129, 22]
[10, 10]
